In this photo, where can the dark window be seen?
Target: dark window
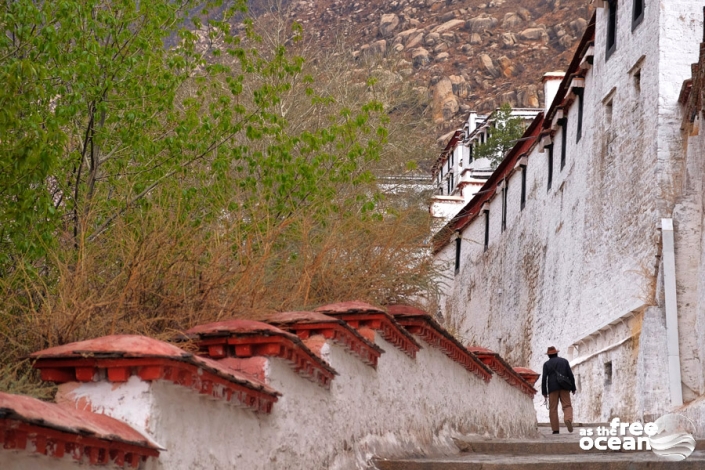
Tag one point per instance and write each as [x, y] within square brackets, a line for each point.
[487, 229]
[505, 189]
[523, 187]
[637, 13]
[471, 149]
[608, 373]
[579, 94]
[611, 28]
[637, 82]
[608, 113]
[448, 184]
[457, 254]
[564, 139]
[550, 164]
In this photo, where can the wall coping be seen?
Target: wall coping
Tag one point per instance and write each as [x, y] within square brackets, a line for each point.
[306, 324]
[246, 338]
[57, 430]
[115, 358]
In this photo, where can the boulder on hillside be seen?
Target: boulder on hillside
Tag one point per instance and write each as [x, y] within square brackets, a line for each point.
[420, 57]
[449, 25]
[511, 20]
[402, 37]
[378, 47]
[460, 86]
[578, 26]
[414, 40]
[534, 34]
[481, 23]
[432, 39]
[475, 38]
[507, 39]
[566, 42]
[528, 97]
[443, 56]
[445, 104]
[388, 24]
[507, 67]
[447, 16]
[524, 14]
[489, 65]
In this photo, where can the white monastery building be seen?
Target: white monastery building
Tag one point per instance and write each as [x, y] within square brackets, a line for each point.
[589, 235]
[457, 174]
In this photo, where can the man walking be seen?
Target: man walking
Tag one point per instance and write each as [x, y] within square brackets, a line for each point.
[557, 383]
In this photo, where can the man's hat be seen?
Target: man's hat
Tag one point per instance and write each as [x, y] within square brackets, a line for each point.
[552, 350]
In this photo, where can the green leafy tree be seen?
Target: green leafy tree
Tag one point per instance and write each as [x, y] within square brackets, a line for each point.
[166, 163]
[505, 132]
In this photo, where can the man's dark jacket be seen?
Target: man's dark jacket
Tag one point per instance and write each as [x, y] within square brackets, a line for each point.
[549, 381]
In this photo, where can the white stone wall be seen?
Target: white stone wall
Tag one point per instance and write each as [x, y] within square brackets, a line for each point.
[30, 460]
[578, 267]
[405, 407]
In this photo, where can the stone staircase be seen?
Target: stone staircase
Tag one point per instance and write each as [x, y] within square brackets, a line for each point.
[546, 452]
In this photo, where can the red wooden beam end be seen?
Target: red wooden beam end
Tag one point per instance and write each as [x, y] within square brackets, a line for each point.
[31, 425]
[236, 339]
[495, 362]
[307, 325]
[117, 358]
[420, 323]
[363, 315]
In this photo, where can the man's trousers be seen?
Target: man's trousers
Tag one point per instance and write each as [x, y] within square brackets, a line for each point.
[553, 398]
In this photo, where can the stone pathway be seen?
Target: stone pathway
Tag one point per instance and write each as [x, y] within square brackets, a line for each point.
[546, 452]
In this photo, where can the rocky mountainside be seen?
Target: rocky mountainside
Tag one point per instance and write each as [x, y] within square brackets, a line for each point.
[465, 54]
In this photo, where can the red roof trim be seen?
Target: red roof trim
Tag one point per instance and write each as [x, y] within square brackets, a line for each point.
[505, 168]
[361, 315]
[495, 362]
[56, 430]
[420, 323]
[245, 338]
[527, 374]
[307, 324]
[110, 358]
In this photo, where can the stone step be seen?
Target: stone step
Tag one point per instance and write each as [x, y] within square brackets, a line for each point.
[589, 461]
[545, 443]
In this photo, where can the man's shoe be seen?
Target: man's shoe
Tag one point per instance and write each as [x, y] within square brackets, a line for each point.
[569, 425]
[556, 432]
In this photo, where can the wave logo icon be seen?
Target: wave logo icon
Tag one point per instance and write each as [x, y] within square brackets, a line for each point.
[674, 439]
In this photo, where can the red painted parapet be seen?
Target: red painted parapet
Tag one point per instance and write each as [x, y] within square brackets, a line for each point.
[116, 358]
[527, 374]
[246, 339]
[54, 430]
[307, 324]
[420, 323]
[363, 315]
[495, 362]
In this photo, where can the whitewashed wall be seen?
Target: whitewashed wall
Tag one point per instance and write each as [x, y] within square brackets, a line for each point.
[405, 407]
[585, 254]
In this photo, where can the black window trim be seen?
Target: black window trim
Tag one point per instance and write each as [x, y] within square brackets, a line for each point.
[505, 188]
[579, 92]
[487, 229]
[523, 187]
[457, 253]
[611, 28]
[638, 19]
[564, 139]
[550, 165]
